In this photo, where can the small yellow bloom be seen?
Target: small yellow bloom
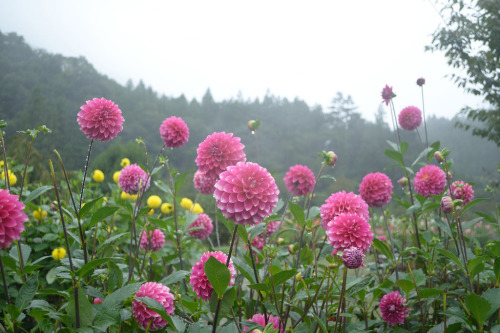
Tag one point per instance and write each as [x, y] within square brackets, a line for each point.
[115, 176]
[125, 195]
[132, 197]
[197, 208]
[59, 253]
[105, 199]
[12, 177]
[98, 176]
[151, 212]
[154, 201]
[39, 214]
[187, 203]
[166, 208]
[125, 162]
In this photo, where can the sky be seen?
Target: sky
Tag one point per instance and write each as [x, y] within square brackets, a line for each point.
[308, 50]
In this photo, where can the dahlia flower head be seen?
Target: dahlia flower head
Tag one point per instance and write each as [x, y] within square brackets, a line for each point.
[203, 221]
[143, 315]
[199, 280]
[174, 132]
[217, 152]
[12, 218]
[203, 184]
[130, 177]
[100, 119]
[462, 190]
[342, 202]
[410, 118]
[154, 242]
[246, 193]
[272, 227]
[376, 189]
[353, 257]
[347, 230]
[429, 180]
[258, 242]
[299, 180]
[387, 94]
[393, 309]
[261, 320]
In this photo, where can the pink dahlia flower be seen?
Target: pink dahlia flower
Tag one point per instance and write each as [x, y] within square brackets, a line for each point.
[203, 221]
[199, 280]
[12, 218]
[393, 309]
[272, 227]
[387, 94]
[462, 190]
[342, 202]
[143, 315]
[353, 257]
[100, 119]
[261, 320]
[430, 180]
[410, 118]
[217, 152]
[97, 300]
[246, 193]
[376, 189]
[347, 230]
[174, 132]
[299, 180]
[203, 184]
[130, 177]
[154, 242]
[258, 242]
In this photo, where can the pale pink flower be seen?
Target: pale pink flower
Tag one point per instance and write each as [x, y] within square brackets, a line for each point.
[100, 119]
[342, 202]
[430, 180]
[174, 132]
[410, 118]
[347, 230]
[154, 242]
[462, 190]
[143, 315]
[376, 189]
[246, 193]
[393, 309]
[204, 221]
[217, 152]
[387, 94]
[199, 280]
[130, 177]
[261, 320]
[12, 218]
[203, 184]
[299, 180]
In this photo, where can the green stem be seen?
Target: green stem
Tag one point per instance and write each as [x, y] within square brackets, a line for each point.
[392, 243]
[26, 168]
[422, 317]
[341, 300]
[5, 288]
[85, 172]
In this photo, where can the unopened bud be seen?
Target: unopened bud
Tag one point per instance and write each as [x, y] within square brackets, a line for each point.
[331, 159]
[403, 181]
[298, 277]
[446, 204]
[420, 81]
[439, 157]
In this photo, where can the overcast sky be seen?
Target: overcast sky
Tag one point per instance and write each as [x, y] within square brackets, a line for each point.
[305, 49]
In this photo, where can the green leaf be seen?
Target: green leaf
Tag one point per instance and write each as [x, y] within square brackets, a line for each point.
[451, 256]
[282, 276]
[406, 285]
[395, 155]
[476, 265]
[478, 306]
[328, 177]
[298, 213]
[243, 268]
[218, 275]
[38, 192]
[115, 299]
[354, 289]
[110, 240]
[256, 230]
[226, 302]
[25, 249]
[87, 207]
[430, 292]
[90, 265]
[153, 304]
[421, 155]
[321, 323]
[174, 278]
[404, 147]
[84, 307]
[492, 295]
[27, 292]
[472, 203]
[384, 249]
[101, 214]
[260, 286]
[115, 278]
[179, 181]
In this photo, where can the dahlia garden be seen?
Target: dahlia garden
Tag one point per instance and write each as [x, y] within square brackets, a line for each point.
[134, 255]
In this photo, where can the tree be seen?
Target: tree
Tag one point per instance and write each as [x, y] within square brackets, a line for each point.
[471, 42]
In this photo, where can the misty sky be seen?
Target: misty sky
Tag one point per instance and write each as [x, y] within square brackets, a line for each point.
[305, 49]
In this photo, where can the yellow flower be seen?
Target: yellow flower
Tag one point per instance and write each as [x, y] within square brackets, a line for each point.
[197, 208]
[132, 197]
[59, 253]
[98, 176]
[154, 201]
[40, 214]
[125, 195]
[125, 162]
[115, 176]
[166, 208]
[186, 203]
[12, 177]
[105, 199]
[151, 212]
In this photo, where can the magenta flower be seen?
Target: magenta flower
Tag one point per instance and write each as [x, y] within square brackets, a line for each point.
[217, 152]
[258, 242]
[154, 242]
[410, 118]
[100, 119]
[261, 320]
[246, 193]
[387, 94]
[97, 300]
[130, 177]
[430, 180]
[376, 189]
[272, 227]
[462, 190]
[199, 280]
[347, 230]
[353, 257]
[203, 184]
[342, 202]
[393, 309]
[299, 180]
[143, 315]
[12, 218]
[174, 132]
[204, 221]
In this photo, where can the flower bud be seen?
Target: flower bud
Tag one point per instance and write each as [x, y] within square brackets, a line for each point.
[438, 156]
[420, 81]
[331, 158]
[449, 176]
[446, 204]
[298, 277]
[403, 181]
[353, 257]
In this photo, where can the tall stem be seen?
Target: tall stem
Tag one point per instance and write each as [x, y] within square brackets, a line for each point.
[392, 242]
[5, 169]
[217, 226]
[423, 113]
[5, 288]
[341, 300]
[85, 172]
[26, 168]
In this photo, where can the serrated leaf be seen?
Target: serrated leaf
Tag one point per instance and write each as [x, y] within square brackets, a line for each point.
[36, 193]
[27, 292]
[243, 268]
[384, 249]
[84, 307]
[115, 299]
[101, 214]
[226, 304]
[174, 277]
[354, 289]
[451, 256]
[394, 155]
[87, 207]
[218, 275]
[421, 155]
[406, 285]
[82, 272]
[283, 276]
[478, 306]
[298, 213]
[430, 292]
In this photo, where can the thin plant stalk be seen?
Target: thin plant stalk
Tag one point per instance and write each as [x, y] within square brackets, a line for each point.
[422, 317]
[85, 172]
[217, 226]
[392, 242]
[425, 123]
[256, 275]
[26, 167]
[75, 285]
[5, 289]
[341, 299]
[4, 155]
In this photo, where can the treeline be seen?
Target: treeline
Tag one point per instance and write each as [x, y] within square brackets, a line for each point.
[38, 88]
